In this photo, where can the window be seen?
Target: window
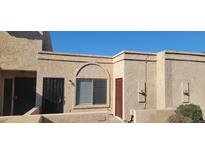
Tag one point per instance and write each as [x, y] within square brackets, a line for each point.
[91, 91]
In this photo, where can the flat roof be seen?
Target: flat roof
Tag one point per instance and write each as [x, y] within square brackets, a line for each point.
[73, 54]
[123, 52]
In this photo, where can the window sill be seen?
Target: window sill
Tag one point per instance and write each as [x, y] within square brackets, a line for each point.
[91, 106]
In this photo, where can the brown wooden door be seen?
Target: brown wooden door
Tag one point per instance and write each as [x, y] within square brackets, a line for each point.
[118, 97]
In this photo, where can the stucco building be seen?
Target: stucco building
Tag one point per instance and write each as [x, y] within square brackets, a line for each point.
[126, 84]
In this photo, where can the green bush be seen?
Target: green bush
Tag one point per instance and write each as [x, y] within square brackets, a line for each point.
[192, 111]
[178, 118]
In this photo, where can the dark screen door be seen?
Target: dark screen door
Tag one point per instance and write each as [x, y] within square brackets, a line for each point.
[24, 95]
[8, 84]
[118, 97]
[53, 95]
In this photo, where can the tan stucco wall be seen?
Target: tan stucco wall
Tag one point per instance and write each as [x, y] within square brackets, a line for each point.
[185, 68]
[77, 117]
[18, 53]
[160, 81]
[164, 73]
[152, 115]
[18, 50]
[67, 67]
[137, 72]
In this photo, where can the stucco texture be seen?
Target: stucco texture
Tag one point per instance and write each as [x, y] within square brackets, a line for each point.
[183, 69]
[70, 69]
[18, 49]
[151, 81]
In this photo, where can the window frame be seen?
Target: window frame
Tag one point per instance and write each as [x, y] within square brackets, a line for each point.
[79, 106]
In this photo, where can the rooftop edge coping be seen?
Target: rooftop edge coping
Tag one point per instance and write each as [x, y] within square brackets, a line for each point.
[124, 52]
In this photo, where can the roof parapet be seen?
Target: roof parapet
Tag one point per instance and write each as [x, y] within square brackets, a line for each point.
[134, 52]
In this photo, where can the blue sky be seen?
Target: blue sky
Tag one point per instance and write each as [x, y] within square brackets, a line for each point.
[110, 43]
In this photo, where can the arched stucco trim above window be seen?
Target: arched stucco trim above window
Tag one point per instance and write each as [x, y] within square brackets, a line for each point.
[82, 66]
[92, 71]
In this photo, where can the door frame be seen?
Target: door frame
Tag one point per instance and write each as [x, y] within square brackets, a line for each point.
[120, 116]
[12, 74]
[12, 95]
[43, 103]
[13, 88]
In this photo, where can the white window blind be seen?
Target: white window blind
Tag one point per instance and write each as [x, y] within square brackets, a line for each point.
[84, 92]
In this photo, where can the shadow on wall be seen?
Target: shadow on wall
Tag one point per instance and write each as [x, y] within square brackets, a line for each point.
[32, 35]
[39, 99]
